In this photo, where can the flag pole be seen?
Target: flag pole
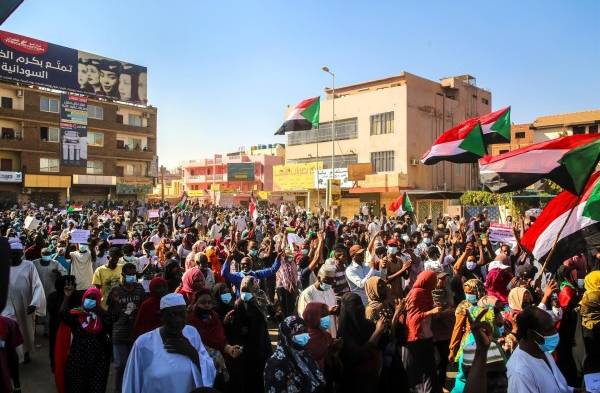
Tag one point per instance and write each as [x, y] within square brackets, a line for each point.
[553, 249]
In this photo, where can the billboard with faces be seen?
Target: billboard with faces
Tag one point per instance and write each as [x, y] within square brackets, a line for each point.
[35, 62]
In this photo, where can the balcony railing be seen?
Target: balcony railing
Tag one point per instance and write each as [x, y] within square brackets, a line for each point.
[344, 129]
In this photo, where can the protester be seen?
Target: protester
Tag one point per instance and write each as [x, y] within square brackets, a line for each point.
[169, 358]
[191, 283]
[322, 292]
[317, 320]
[148, 316]
[108, 276]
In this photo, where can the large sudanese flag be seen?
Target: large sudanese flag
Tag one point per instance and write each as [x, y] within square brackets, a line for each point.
[495, 126]
[304, 116]
[401, 205]
[580, 233]
[462, 143]
[522, 167]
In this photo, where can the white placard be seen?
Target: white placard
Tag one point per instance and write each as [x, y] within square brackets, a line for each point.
[118, 241]
[31, 223]
[501, 233]
[80, 236]
[341, 174]
[153, 213]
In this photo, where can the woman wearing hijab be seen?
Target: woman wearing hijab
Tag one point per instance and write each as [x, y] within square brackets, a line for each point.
[88, 359]
[286, 286]
[498, 277]
[518, 299]
[316, 317]
[360, 355]
[568, 300]
[418, 355]
[490, 309]
[163, 248]
[185, 248]
[473, 290]
[190, 262]
[590, 321]
[148, 316]
[213, 261]
[191, 282]
[377, 307]
[246, 326]
[201, 316]
[291, 368]
[224, 299]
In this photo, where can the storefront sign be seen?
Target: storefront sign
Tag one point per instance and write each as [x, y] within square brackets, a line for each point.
[359, 171]
[11, 177]
[240, 171]
[323, 175]
[97, 180]
[291, 177]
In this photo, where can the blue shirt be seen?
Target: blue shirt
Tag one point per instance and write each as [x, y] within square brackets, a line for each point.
[236, 277]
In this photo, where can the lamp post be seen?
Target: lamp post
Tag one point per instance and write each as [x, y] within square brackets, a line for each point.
[327, 70]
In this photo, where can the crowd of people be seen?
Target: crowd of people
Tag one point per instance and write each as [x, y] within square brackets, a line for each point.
[184, 302]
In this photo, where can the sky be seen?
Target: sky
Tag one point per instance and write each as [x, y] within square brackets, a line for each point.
[221, 73]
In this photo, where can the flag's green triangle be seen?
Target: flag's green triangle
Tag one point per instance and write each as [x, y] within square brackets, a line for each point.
[70, 209]
[502, 125]
[406, 205]
[473, 142]
[592, 206]
[312, 113]
[580, 163]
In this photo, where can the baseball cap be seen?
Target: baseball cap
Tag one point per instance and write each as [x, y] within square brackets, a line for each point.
[356, 249]
[526, 271]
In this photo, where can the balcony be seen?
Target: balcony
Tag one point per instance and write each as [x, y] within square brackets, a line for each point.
[138, 152]
[196, 179]
[206, 178]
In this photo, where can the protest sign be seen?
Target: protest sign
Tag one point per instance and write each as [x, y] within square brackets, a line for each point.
[31, 223]
[153, 213]
[79, 236]
[501, 233]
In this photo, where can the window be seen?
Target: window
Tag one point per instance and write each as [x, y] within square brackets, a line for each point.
[119, 119]
[503, 151]
[382, 123]
[6, 102]
[135, 169]
[95, 112]
[95, 139]
[383, 161]
[578, 130]
[340, 161]
[134, 120]
[520, 135]
[8, 133]
[593, 129]
[6, 164]
[134, 143]
[95, 167]
[49, 165]
[49, 134]
[485, 101]
[120, 171]
[48, 104]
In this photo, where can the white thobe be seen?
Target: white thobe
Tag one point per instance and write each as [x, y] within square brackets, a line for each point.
[151, 369]
[314, 295]
[25, 289]
[527, 374]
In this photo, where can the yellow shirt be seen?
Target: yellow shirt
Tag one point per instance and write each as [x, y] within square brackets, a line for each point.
[107, 279]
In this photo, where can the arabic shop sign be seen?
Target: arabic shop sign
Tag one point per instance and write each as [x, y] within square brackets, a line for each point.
[36, 62]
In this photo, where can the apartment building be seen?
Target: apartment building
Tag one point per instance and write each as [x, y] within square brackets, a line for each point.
[390, 123]
[121, 141]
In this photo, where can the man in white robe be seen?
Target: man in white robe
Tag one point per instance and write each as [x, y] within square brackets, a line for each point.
[170, 358]
[322, 292]
[25, 296]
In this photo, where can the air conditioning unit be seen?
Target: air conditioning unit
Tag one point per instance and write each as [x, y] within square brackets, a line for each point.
[19, 93]
[414, 161]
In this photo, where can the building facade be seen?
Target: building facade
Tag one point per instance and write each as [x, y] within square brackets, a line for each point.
[391, 123]
[121, 161]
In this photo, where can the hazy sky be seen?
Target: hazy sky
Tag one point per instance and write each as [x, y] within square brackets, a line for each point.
[222, 72]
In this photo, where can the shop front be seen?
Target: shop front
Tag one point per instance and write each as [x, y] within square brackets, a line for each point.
[93, 188]
[10, 187]
[133, 188]
[44, 189]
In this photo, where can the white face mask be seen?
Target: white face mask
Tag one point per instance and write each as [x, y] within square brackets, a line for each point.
[471, 265]
[581, 283]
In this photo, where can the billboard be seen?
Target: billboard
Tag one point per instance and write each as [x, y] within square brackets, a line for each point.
[36, 62]
[298, 177]
[334, 192]
[73, 130]
[359, 171]
[323, 175]
[240, 171]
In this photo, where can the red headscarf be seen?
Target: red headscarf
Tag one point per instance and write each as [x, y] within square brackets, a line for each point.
[191, 283]
[418, 301]
[89, 319]
[320, 339]
[498, 278]
[210, 328]
[148, 316]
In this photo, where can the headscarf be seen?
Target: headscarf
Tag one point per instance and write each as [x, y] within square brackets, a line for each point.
[210, 328]
[418, 301]
[188, 241]
[251, 284]
[515, 298]
[190, 262]
[215, 265]
[320, 339]
[590, 302]
[173, 280]
[376, 300]
[148, 316]
[353, 324]
[287, 275]
[563, 276]
[191, 283]
[291, 368]
[89, 319]
[474, 286]
[498, 278]
[161, 251]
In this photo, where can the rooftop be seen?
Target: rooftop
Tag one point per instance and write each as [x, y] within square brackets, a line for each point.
[565, 119]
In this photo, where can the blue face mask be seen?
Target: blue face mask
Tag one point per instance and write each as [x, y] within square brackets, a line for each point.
[83, 247]
[325, 322]
[226, 297]
[152, 253]
[130, 279]
[246, 296]
[304, 251]
[89, 304]
[500, 331]
[46, 258]
[301, 339]
[325, 287]
[253, 253]
[471, 298]
[550, 342]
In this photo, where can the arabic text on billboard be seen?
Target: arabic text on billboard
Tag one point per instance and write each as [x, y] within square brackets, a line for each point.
[73, 130]
[28, 60]
[323, 175]
[295, 176]
[240, 171]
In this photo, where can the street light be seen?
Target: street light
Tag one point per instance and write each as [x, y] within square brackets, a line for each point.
[327, 70]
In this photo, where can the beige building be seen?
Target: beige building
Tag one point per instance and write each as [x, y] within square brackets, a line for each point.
[554, 126]
[391, 122]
